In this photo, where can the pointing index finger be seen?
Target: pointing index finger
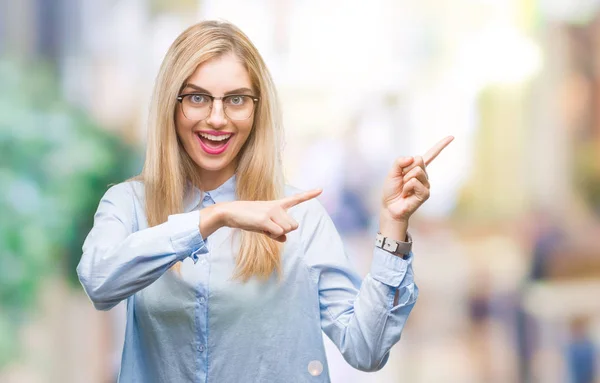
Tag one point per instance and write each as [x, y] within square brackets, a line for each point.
[296, 199]
[436, 149]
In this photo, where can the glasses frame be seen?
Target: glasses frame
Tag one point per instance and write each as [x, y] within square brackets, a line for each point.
[255, 100]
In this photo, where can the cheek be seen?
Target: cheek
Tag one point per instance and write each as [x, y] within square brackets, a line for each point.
[245, 129]
[243, 133]
[183, 127]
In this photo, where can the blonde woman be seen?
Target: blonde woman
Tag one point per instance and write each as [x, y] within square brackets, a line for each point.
[228, 274]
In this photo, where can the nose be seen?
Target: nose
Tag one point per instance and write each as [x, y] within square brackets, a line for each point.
[217, 118]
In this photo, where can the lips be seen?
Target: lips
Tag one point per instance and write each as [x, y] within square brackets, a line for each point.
[214, 143]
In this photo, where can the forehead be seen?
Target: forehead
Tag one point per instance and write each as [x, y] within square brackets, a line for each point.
[221, 74]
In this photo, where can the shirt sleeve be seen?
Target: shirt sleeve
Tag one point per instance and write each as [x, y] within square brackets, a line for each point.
[359, 317]
[118, 261]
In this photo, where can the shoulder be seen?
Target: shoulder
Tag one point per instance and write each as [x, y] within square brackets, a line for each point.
[315, 224]
[123, 201]
[312, 210]
[125, 193]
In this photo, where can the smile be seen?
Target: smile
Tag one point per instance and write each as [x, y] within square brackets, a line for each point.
[213, 144]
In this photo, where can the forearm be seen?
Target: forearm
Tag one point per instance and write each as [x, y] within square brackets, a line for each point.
[372, 324]
[391, 228]
[111, 268]
[360, 317]
[394, 229]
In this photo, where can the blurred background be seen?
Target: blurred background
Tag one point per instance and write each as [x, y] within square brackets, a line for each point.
[507, 247]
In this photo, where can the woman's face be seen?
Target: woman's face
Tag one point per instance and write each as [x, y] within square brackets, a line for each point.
[214, 142]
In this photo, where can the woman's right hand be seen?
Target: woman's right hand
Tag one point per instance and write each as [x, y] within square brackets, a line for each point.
[267, 217]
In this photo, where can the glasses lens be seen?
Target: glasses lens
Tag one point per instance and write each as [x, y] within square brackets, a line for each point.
[238, 107]
[196, 106]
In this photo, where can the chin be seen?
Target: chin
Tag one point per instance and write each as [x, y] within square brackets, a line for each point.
[211, 165]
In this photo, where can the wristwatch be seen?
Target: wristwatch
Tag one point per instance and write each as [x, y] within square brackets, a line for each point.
[401, 249]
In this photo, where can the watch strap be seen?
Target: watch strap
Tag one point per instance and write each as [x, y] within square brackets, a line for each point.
[398, 248]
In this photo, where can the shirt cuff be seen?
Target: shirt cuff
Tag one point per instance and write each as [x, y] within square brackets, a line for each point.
[186, 238]
[388, 268]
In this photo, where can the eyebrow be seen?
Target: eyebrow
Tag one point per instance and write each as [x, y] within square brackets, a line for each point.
[234, 91]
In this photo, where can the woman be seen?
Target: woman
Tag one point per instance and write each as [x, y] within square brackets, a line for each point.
[230, 276]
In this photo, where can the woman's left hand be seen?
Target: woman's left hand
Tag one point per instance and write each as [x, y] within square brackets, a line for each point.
[407, 185]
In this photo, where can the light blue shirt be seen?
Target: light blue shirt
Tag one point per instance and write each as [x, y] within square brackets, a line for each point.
[202, 326]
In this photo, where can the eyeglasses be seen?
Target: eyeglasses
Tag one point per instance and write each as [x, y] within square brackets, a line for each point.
[197, 106]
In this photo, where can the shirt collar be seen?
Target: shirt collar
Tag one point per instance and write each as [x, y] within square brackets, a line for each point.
[224, 193]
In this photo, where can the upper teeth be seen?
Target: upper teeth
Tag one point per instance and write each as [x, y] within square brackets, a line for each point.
[215, 138]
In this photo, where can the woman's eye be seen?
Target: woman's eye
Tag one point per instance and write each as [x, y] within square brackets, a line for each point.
[197, 99]
[236, 100]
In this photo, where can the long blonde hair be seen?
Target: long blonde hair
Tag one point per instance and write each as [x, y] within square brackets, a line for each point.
[168, 167]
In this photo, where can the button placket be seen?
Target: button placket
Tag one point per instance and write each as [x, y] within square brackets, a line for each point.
[202, 301]
[202, 289]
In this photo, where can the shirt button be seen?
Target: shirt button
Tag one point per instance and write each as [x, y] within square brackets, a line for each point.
[201, 348]
[315, 368]
[202, 300]
[203, 261]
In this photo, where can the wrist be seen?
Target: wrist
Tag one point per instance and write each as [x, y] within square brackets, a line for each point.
[219, 212]
[393, 228]
[212, 218]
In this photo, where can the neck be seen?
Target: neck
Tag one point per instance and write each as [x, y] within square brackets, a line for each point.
[210, 180]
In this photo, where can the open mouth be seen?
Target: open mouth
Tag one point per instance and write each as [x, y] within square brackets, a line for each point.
[214, 144]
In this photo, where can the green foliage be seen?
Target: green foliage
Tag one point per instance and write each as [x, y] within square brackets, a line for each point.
[55, 164]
